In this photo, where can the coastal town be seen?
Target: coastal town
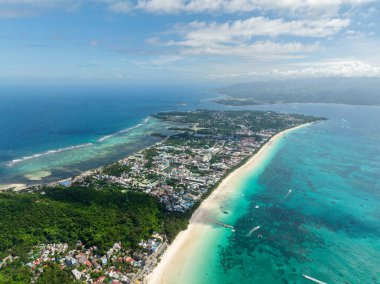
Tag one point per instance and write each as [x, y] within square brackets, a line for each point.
[180, 174]
[180, 171]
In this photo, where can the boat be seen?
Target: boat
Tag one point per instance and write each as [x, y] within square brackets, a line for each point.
[289, 192]
[253, 230]
[313, 279]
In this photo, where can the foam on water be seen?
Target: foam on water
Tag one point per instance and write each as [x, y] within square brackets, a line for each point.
[145, 121]
[49, 152]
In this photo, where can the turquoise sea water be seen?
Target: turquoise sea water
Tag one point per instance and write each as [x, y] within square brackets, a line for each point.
[318, 198]
[327, 227]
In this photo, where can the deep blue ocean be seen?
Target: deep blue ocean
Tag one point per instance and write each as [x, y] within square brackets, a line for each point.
[52, 131]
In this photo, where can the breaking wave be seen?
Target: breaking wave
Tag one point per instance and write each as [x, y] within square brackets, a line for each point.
[125, 130]
[16, 161]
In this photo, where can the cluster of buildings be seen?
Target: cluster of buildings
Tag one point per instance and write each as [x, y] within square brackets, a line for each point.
[8, 259]
[179, 174]
[180, 171]
[118, 265]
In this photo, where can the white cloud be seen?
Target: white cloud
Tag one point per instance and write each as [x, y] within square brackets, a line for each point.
[333, 68]
[159, 62]
[27, 8]
[120, 7]
[349, 68]
[244, 37]
[260, 50]
[13, 13]
[296, 7]
[29, 2]
[160, 6]
[38, 3]
[260, 26]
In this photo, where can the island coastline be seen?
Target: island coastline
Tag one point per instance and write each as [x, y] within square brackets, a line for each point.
[236, 142]
[175, 256]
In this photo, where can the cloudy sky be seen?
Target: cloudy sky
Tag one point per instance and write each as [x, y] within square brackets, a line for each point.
[187, 40]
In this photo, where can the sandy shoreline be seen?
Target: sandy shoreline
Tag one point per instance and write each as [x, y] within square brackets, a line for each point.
[12, 186]
[175, 257]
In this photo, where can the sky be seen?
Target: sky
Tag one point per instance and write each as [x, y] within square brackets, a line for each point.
[173, 41]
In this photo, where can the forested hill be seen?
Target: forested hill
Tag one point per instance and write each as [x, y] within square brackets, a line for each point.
[65, 215]
[352, 91]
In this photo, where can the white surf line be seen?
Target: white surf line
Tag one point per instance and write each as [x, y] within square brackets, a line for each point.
[105, 137]
[313, 279]
[145, 121]
[16, 161]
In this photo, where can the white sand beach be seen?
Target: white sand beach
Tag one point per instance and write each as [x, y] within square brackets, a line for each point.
[13, 186]
[173, 261]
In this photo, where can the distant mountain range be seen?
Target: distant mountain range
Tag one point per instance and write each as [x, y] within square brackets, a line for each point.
[353, 91]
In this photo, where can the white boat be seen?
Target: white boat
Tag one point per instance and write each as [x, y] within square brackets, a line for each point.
[289, 192]
[253, 230]
[313, 279]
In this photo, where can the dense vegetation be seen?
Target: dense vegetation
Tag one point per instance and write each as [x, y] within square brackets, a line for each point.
[115, 170]
[54, 274]
[96, 217]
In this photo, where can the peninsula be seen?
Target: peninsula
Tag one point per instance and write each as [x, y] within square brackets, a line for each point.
[350, 91]
[201, 225]
[115, 222]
